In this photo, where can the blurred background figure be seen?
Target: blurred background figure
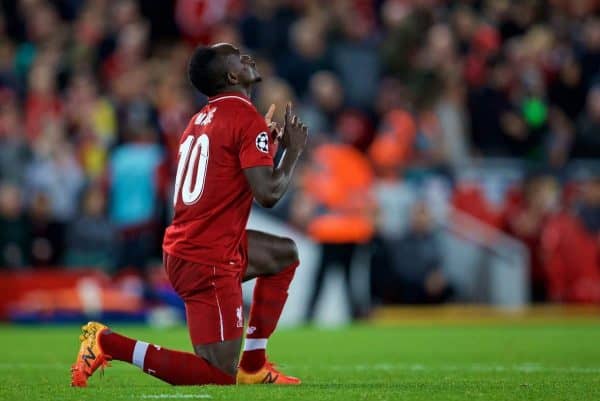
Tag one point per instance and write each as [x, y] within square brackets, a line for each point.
[15, 154]
[15, 234]
[413, 272]
[47, 233]
[336, 210]
[134, 190]
[526, 217]
[587, 141]
[571, 246]
[91, 240]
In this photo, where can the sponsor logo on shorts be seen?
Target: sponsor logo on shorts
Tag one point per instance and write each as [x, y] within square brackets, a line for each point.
[240, 317]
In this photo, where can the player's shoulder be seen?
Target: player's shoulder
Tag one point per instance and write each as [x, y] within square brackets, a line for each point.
[231, 114]
[238, 106]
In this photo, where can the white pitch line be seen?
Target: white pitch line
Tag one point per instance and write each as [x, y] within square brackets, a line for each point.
[526, 367]
[22, 365]
[476, 368]
[172, 396]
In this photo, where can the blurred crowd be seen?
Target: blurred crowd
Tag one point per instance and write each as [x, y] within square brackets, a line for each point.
[399, 96]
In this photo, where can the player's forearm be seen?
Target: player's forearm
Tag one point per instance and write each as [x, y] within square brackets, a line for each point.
[281, 177]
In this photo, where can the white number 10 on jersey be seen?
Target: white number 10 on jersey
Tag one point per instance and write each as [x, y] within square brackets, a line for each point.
[193, 157]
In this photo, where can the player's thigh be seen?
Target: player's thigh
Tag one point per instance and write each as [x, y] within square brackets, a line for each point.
[216, 322]
[213, 304]
[268, 254]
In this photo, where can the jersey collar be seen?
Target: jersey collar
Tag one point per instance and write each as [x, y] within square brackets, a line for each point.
[229, 95]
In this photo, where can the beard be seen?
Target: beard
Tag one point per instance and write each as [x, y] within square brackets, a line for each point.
[256, 78]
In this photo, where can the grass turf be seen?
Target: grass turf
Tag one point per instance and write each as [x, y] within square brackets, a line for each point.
[547, 361]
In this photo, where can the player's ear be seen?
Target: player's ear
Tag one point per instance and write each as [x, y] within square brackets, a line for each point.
[232, 78]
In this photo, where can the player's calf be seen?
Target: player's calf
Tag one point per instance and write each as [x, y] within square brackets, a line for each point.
[99, 345]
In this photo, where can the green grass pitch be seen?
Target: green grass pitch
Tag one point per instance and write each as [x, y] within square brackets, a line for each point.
[541, 361]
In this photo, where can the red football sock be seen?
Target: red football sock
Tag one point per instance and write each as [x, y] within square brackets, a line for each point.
[119, 347]
[173, 367]
[270, 294]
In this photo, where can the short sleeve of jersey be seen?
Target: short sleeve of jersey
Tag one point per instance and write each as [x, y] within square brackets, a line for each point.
[255, 142]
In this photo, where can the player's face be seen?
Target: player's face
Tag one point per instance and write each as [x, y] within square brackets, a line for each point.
[249, 71]
[241, 66]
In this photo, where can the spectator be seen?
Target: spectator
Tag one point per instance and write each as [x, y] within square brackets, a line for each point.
[568, 92]
[15, 235]
[336, 210]
[94, 112]
[588, 209]
[92, 121]
[570, 246]
[14, 151]
[55, 172]
[393, 146]
[91, 238]
[275, 91]
[8, 76]
[89, 35]
[47, 234]
[405, 26]
[559, 139]
[415, 275]
[526, 219]
[265, 28]
[452, 116]
[587, 139]
[134, 194]
[590, 58]
[43, 105]
[175, 105]
[493, 119]
[324, 101]
[307, 54]
[354, 55]
[395, 199]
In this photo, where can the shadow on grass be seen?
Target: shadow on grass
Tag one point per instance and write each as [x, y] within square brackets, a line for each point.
[302, 387]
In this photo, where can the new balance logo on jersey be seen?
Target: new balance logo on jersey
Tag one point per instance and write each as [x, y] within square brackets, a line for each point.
[262, 142]
[205, 118]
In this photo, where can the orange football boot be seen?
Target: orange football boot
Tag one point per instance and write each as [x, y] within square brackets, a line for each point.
[268, 374]
[90, 356]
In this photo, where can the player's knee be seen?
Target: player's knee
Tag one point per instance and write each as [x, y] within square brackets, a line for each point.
[273, 266]
[223, 356]
[230, 370]
[283, 253]
[291, 252]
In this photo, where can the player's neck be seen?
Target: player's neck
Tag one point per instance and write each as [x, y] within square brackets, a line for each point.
[235, 90]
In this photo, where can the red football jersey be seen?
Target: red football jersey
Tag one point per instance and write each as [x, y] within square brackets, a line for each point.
[212, 197]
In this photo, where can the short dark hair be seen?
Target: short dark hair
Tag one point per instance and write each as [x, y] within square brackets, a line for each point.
[206, 70]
